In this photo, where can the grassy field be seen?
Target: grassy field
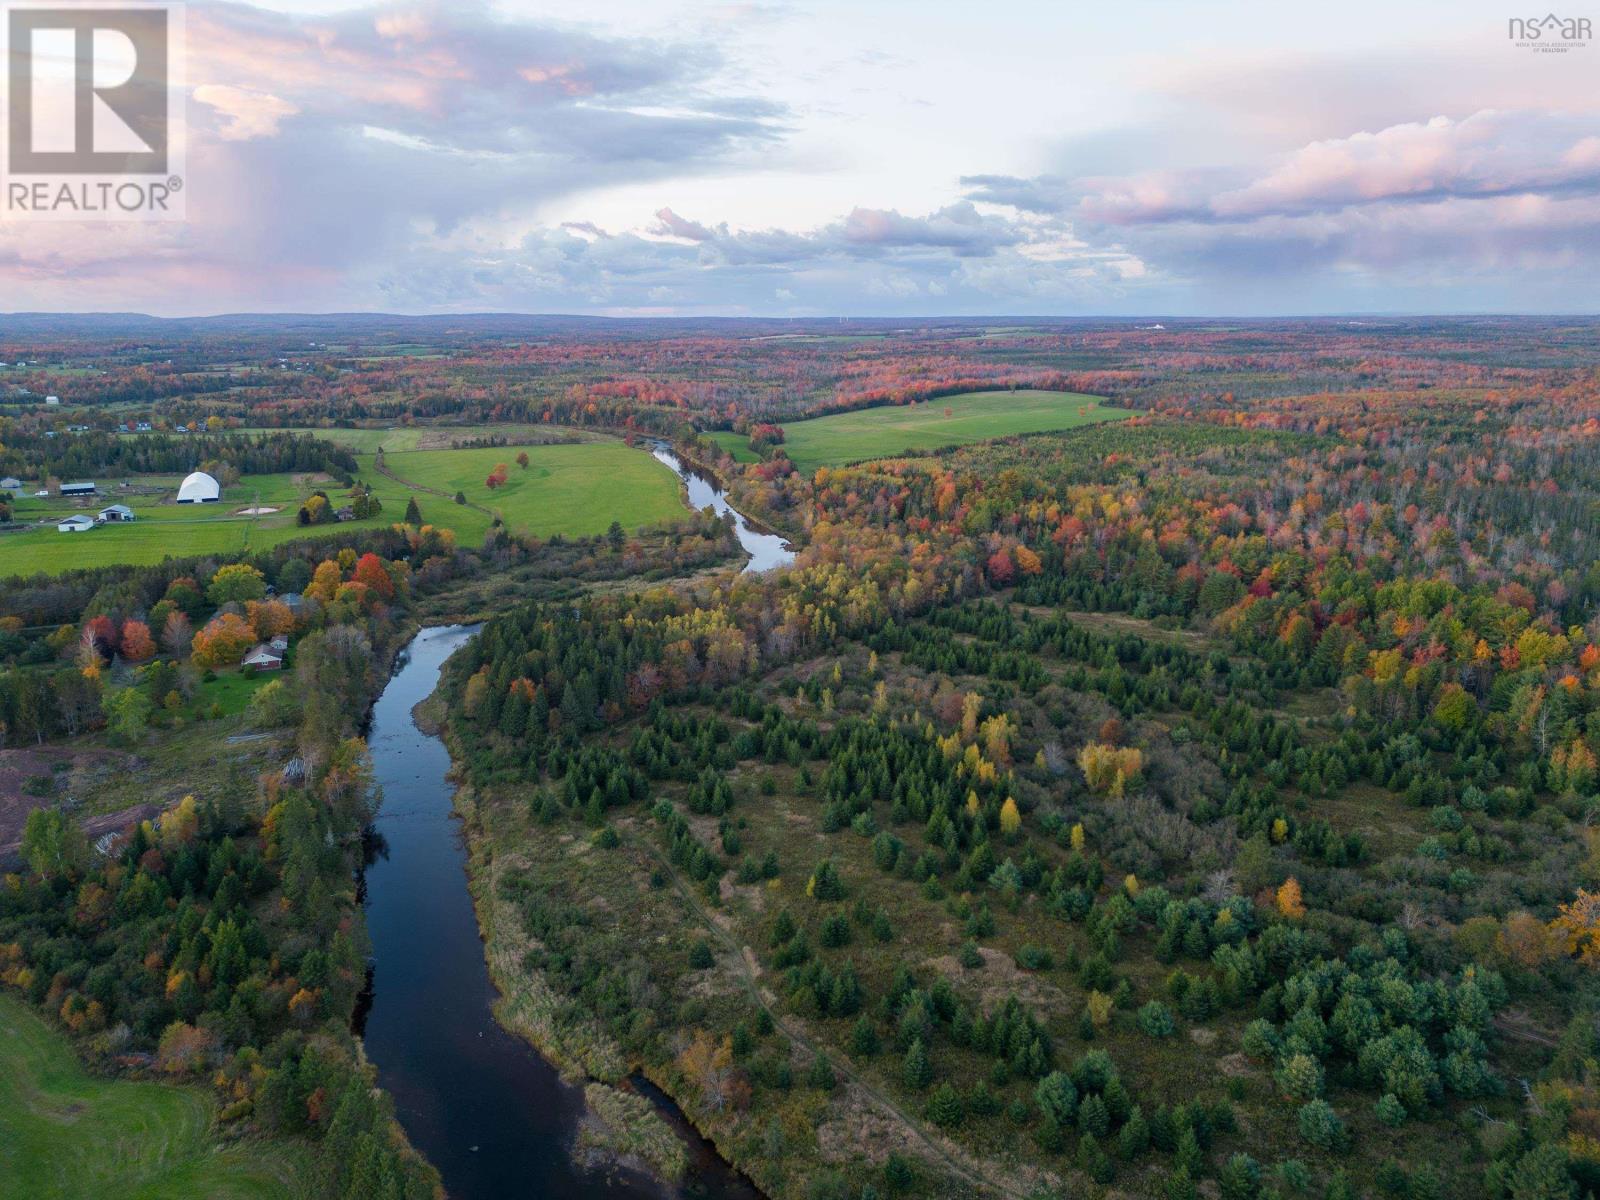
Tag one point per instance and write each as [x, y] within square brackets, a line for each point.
[163, 528]
[571, 489]
[64, 1134]
[949, 421]
[736, 444]
[437, 437]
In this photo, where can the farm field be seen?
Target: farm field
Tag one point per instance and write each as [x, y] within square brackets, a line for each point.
[570, 489]
[436, 437]
[557, 494]
[163, 529]
[66, 1135]
[949, 421]
[736, 444]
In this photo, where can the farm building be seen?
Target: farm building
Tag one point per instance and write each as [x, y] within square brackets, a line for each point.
[82, 488]
[199, 488]
[10, 484]
[116, 512]
[78, 524]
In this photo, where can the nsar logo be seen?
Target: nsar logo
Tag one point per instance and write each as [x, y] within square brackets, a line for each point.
[1550, 34]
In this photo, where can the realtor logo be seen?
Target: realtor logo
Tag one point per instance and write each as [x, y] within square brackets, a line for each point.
[90, 111]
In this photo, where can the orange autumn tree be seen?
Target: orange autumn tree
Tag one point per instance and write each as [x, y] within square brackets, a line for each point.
[709, 1064]
[325, 581]
[370, 570]
[269, 618]
[1290, 902]
[224, 641]
[1110, 769]
[1578, 926]
[137, 644]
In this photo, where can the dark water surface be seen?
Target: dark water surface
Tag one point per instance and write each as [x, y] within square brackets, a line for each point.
[766, 550]
[492, 1115]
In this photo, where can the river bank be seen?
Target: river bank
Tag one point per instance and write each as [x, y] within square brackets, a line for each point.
[492, 1115]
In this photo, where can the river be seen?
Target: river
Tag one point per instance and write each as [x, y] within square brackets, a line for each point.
[494, 1117]
[767, 551]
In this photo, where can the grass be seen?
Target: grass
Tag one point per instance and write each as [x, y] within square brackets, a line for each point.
[232, 690]
[65, 1134]
[434, 437]
[949, 421]
[570, 489]
[736, 444]
[162, 528]
[574, 489]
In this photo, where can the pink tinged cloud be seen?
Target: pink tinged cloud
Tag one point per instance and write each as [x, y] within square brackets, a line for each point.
[1485, 155]
[246, 114]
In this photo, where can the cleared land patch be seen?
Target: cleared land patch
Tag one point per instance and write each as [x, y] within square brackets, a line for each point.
[948, 421]
[65, 1134]
[573, 490]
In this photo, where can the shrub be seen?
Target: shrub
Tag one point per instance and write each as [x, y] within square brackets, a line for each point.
[1156, 1020]
[945, 1108]
[1389, 1110]
[1300, 1077]
[1034, 958]
[1320, 1125]
[1240, 1178]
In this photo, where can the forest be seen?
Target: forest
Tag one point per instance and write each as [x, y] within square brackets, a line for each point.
[1200, 803]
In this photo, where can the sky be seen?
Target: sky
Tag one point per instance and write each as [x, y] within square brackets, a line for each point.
[858, 157]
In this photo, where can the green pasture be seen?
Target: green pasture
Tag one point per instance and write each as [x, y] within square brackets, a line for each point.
[736, 444]
[574, 489]
[65, 1135]
[933, 424]
[567, 489]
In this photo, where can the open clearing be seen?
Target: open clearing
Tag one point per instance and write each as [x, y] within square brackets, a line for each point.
[65, 1135]
[736, 444]
[933, 424]
[574, 489]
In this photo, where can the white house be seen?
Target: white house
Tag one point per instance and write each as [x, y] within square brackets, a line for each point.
[77, 524]
[52, 399]
[199, 488]
[116, 512]
[10, 484]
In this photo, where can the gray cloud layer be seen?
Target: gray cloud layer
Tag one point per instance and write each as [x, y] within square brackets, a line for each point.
[398, 157]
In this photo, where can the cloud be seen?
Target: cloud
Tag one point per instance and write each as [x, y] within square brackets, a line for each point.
[1454, 198]
[326, 149]
[246, 114]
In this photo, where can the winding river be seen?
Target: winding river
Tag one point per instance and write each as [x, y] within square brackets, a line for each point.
[483, 1106]
[767, 551]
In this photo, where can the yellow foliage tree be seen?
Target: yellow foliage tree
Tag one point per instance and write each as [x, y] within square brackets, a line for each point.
[1010, 817]
[1578, 926]
[1110, 769]
[1099, 1006]
[1290, 902]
